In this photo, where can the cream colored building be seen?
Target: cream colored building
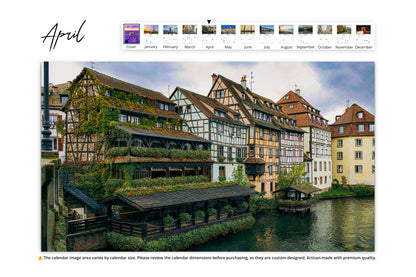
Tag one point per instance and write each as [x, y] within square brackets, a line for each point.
[353, 147]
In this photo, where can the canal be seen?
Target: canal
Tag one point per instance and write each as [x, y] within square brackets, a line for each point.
[345, 224]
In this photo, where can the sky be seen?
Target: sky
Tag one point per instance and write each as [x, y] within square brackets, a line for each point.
[328, 86]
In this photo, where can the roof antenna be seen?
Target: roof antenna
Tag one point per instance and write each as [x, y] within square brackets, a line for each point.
[348, 103]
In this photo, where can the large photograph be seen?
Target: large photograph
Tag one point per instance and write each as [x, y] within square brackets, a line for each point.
[208, 156]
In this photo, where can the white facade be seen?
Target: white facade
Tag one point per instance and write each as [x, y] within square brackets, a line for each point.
[318, 144]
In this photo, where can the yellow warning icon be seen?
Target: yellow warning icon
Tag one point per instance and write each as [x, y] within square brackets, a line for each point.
[40, 258]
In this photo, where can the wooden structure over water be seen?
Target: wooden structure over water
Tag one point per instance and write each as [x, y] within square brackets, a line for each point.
[143, 216]
[298, 198]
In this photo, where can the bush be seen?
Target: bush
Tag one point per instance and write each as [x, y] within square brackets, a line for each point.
[149, 182]
[168, 220]
[184, 216]
[212, 211]
[362, 191]
[174, 154]
[222, 178]
[199, 214]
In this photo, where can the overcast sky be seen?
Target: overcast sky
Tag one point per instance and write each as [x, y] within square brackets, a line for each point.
[325, 85]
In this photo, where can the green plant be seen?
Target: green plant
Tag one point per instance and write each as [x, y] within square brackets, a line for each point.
[168, 220]
[296, 176]
[184, 216]
[222, 178]
[230, 158]
[244, 206]
[221, 159]
[212, 211]
[239, 160]
[227, 209]
[199, 214]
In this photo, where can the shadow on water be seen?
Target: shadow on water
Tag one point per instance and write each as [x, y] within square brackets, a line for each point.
[332, 225]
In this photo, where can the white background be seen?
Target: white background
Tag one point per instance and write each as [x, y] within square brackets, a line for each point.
[22, 25]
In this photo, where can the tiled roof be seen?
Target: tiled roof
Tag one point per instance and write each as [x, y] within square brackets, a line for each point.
[247, 103]
[301, 112]
[55, 92]
[171, 134]
[201, 102]
[350, 121]
[176, 198]
[127, 87]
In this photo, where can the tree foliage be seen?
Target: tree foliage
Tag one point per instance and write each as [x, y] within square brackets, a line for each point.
[296, 176]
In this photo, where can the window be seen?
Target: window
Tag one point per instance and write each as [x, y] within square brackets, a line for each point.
[239, 153]
[373, 169]
[270, 153]
[358, 169]
[220, 128]
[316, 181]
[320, 180]
[230, 151]
[291, 107]
[236, 117]
[339, 143]
[122, 118]
[358, 155]
[360, 114]
[270, 169]
[339, 168]
[231, 131]
[261, 152]
[315, 166]
[358, 142]
[325, 167]
[243, 96]
[251, 131]
[238, 132]
[251, 151]
[339, 156]
[188, 109]
[261, 133]
[219, 113]
[374, 155]
[158, 124]
[277, 153]
[136, 120]
[271, 186]
[326, 179]
[320, 167]
[220, 150]
[64, 99]
[277, 169]
[219, 94]
[270, 135]
[371, 127]
[341, 129]
[262, 187]
[221, 171]
[374, 142]
[361, 128]
[286, 97]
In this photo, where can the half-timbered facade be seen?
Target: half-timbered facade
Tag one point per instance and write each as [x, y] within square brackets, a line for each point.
[106, 114]
[217, 123]
[317, 138]
[264, 134]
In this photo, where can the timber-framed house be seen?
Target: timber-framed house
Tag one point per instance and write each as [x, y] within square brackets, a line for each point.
[211, 120]
[317, 142]
[113, 121]
[264, 133]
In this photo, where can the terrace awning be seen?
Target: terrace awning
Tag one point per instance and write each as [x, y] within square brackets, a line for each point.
[178, 198]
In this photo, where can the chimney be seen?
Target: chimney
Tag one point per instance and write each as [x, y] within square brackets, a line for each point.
[214, 77]
[297, 91]
[337, 117]
[244, 82]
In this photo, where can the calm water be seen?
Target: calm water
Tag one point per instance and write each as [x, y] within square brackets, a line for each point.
[332, 225]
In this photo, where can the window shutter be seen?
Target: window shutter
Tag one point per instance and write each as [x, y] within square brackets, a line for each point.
[60, 144]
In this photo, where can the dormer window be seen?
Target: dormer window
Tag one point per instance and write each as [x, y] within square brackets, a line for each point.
[243, 96]
[64, 99]
[107, 93]
[286, 97]
[141, 101]
[341, 129]
[219, 113]
[291, 107]
[360, 115]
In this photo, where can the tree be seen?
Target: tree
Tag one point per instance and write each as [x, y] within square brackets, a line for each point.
[240, 176]
[296, 176]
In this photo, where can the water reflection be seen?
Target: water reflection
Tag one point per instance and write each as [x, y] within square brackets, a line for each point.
[332, 225]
